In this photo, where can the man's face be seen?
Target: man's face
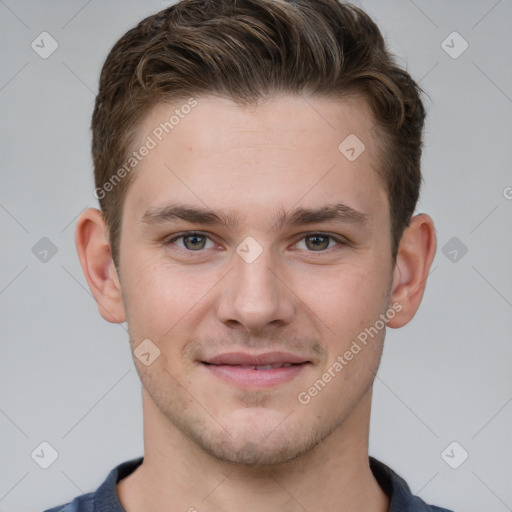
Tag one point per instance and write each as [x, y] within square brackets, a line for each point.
[217, 303]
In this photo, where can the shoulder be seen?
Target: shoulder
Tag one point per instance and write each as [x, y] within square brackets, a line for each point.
[399, 493]
[105, 497]
[84, 503]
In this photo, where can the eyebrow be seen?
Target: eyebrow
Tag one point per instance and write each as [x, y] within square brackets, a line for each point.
[338, 212]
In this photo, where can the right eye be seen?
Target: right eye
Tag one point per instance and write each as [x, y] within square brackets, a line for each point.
[192, 241]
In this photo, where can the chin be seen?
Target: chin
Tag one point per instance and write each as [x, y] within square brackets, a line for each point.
[267, 441]
[256, 454]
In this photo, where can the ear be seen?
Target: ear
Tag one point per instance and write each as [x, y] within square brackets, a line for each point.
[415, 255]
[95, 256]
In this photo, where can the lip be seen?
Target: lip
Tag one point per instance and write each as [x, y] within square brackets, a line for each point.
[243, 358]
[234, 368]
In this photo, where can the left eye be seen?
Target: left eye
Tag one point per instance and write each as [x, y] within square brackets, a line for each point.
[316, 242]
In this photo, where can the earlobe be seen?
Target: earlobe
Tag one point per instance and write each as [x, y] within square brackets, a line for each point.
[415, 255]
[96, 259]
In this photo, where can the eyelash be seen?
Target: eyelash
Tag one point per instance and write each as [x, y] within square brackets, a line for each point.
[190, 252]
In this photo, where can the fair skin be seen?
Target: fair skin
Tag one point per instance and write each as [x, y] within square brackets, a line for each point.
[211, 441]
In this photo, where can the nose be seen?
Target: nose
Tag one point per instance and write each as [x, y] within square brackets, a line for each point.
[255, 294]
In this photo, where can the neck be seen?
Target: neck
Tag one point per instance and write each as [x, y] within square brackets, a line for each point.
[334, 475]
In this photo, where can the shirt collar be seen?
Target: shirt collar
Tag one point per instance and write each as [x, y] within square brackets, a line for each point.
[400, 496]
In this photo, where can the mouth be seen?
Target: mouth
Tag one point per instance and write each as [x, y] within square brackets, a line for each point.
[272, 366]
[256, 371]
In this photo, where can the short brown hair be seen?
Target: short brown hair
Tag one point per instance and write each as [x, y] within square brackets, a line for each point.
[246, 50]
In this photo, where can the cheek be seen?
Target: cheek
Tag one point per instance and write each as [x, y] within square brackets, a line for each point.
[164, 297]
[153, 297]
[346, 296]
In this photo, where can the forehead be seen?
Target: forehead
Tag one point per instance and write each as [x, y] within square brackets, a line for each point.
[285, 151]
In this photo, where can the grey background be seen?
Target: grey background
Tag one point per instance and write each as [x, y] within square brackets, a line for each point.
[67, 377]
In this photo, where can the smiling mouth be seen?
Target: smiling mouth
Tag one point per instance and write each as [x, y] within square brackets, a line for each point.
[256, 376]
